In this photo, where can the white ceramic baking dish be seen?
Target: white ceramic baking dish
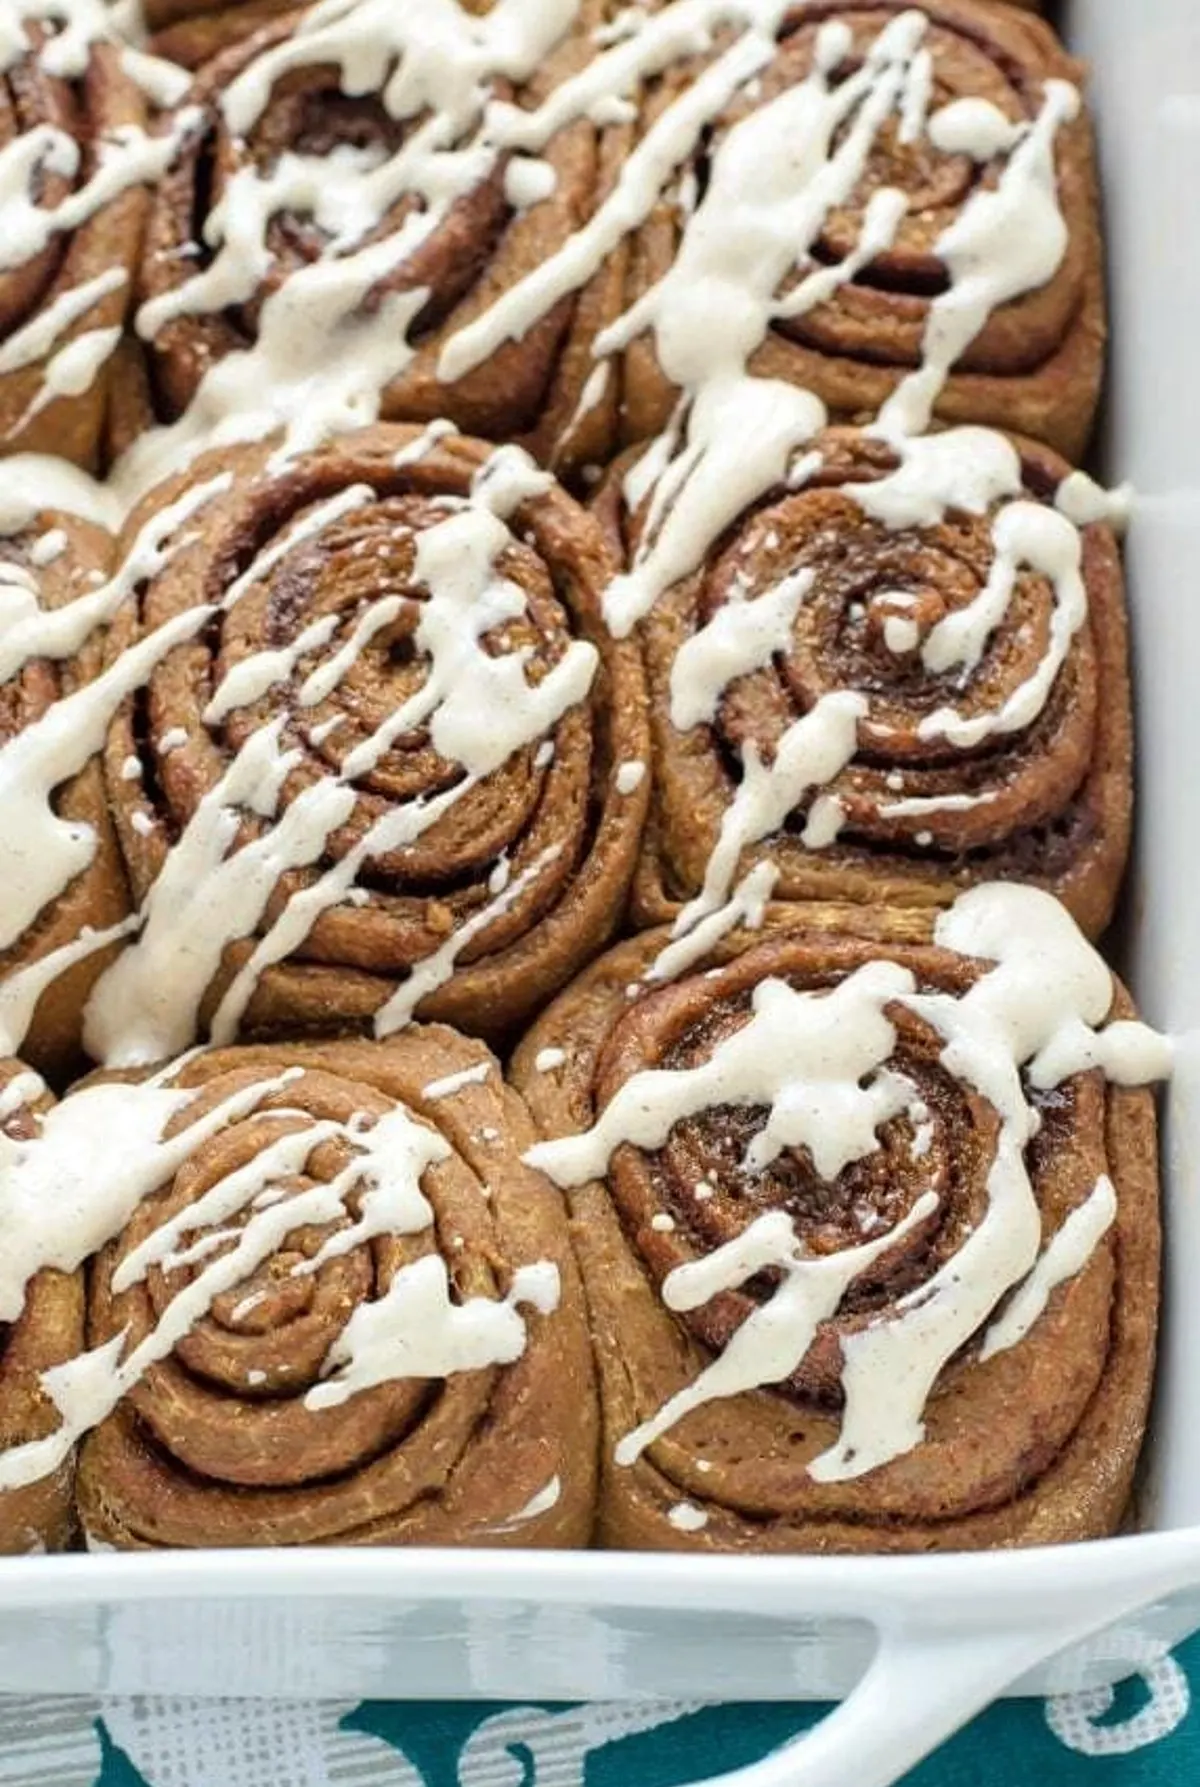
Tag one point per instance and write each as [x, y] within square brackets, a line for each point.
[916, 1644]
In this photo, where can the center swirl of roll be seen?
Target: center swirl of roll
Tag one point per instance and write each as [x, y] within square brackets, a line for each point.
[267, 1338]
[703, 1188]
[877, 606]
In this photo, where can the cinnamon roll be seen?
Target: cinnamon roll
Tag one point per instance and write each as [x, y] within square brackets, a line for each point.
[348, 167]
[65, 893]
[937, 141]
[335, 1307]
[902, 675]
[69, 235]
[394, 764]
[41, 1326]
[866, 1210]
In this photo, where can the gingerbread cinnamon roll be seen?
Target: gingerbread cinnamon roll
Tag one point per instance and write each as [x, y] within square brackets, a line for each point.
[946, 251]
[69, 236]
[351, 165]
[878, 686]
[397, 766]
[341, 1310]
[866, 1209]
[41, 1327]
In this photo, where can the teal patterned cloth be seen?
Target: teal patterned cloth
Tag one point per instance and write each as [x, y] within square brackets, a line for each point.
[1145, 1733]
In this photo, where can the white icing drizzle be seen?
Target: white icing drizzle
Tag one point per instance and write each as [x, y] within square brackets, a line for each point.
[546, 1498]
[436, 969]
[746, 905]
[527, 181]
[1084, 502]
[34, 341]
[21, 989]
[594, 389]
[128, 156]
[28, 631]
[960, 468]
[145, 1007]
[546, 1060]
[40, 852]
[23, 1089]
[914, 104]
[917, 805]
[415, 1331]
[48, 548]
[77, 26]
[73, 368]
[900, 635]
[389, 1160]
[252, 678]
[802, 1056]
[1008, 239]
[774, 1338]
[826, 818]
[741, 637]
[451, 1083]
[290, 378]
[1024, 534]
[813, 750]
[1067, 1254]
[1128, 1053]
[92, 1192]
[437, 430]
[973, 127]
[817, 1062]
[36, 482]
[685, 1517]
[630, 776]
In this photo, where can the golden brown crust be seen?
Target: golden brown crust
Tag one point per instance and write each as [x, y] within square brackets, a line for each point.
[98, 897]
[564, 822]
[102, 102]
[1052, 802]
[40, 1516]
[206, 1452]
[1038, 1445]
[1036, 367]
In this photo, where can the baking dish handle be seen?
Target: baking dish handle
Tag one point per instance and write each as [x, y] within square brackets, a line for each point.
[918, 1690]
